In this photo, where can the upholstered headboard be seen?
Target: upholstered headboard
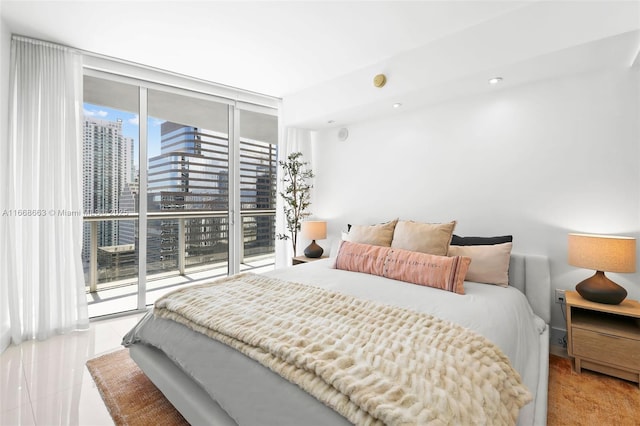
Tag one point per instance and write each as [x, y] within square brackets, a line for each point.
[531, 275]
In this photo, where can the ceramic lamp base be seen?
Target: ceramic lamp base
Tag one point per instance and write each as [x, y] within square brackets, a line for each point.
[313, 250]
[601, 289]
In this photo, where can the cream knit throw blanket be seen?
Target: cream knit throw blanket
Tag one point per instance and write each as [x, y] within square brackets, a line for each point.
[372, 363]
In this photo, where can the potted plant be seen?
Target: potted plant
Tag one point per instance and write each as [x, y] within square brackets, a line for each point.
[296, 195]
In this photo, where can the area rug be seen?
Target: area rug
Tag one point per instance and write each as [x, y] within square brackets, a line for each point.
[589, 398]
[131, 398]
[574, 399]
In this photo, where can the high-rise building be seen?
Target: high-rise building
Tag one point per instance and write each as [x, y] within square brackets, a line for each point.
[258, 192]
[192, 173]
[127, 203]
[107, 169]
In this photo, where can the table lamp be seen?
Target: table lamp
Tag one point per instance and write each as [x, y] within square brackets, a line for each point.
[314, 230]
[602, 253]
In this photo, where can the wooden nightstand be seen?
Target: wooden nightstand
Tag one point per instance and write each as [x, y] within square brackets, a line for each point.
[604, 338]
[304, 259]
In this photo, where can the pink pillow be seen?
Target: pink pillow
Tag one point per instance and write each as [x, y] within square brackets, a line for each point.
[356, 257]
[446, 273]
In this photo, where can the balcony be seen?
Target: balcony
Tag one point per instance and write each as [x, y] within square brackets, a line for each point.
[183, 248]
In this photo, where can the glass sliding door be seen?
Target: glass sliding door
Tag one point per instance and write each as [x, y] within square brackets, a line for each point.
[110, 195]
[258, 171]
[178, 186]
[188, 186]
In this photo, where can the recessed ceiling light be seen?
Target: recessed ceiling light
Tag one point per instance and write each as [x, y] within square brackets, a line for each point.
[331, 121]
[495, 80]
[397, 105]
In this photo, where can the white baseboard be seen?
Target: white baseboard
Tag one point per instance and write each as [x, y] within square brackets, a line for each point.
[558, 337]
[5, 340]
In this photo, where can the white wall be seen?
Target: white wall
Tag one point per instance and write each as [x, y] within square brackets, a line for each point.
[5, 53]
[536, 161]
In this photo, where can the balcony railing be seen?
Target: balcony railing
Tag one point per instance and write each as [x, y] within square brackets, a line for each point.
[186, 239]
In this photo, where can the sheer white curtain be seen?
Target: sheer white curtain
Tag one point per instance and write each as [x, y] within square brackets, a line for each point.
[40, 259]
[294, 140]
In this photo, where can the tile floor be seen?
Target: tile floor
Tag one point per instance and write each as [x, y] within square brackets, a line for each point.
[47, 383]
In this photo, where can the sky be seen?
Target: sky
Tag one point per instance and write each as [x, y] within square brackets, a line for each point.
[130, 127]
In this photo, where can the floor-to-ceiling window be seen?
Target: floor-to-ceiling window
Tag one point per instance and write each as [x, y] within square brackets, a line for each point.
[202, 204]
[257, 174]
[110, 190]
[188, 184]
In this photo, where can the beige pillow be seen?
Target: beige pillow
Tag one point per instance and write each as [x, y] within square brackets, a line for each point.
[489, 264]
[431, 238]
[376, 235]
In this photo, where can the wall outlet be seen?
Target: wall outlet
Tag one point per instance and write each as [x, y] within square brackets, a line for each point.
[559, 296]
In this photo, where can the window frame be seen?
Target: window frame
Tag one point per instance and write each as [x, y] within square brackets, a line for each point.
[147, 78]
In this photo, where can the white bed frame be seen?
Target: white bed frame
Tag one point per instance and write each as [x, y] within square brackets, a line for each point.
[528, 273]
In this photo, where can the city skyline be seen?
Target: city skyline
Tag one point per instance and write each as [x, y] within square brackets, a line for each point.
[130, 127]
[107, 170]
[188, 169]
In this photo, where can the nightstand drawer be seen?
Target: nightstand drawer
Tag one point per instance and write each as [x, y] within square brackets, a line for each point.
[615, 350]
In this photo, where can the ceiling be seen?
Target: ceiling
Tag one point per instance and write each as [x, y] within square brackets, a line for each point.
[321, 56]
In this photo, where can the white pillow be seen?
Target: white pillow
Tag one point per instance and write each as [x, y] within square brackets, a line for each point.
[489, 264]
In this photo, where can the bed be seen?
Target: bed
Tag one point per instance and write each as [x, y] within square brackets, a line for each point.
[211, 383]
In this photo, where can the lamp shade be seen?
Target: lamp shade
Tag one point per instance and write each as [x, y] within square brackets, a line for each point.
[602, 252]
[314, 230]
